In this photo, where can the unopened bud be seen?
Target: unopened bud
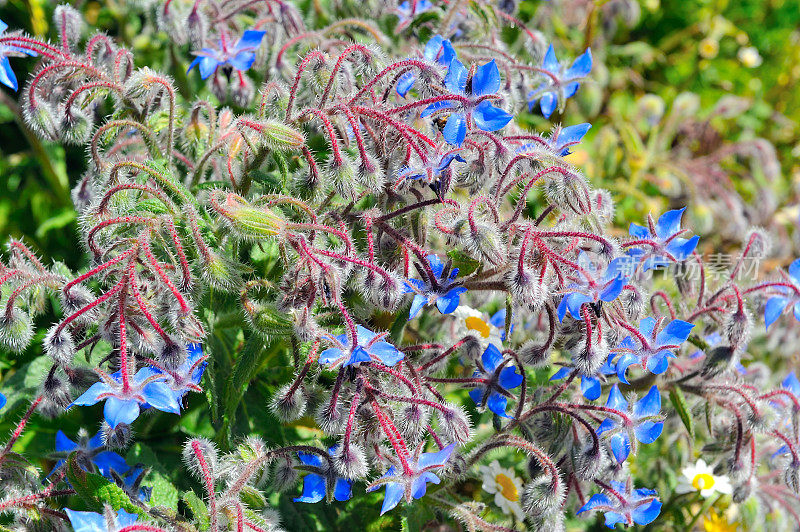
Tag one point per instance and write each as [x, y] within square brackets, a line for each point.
[350, 462]
[246, 221]
[118, 437]
[16, 329]
[288, 404]
[543, 496]
[455, 423]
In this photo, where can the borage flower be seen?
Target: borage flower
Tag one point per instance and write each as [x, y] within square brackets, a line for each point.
[590, 384]
[438, 50]
[436, 171]
[440, 289]
[655, 349]
[660, 243]
[412, 481]
[89, 454]
[2, 401]
[240, 57]
[474, 105]
[644, 423]
[560, 140]
[7, 76]
[776, 305]
[368, 347]
[188, 375]
[593, 285]
[496, 380]
[146, 388]
[626, 505]
[322, 482]
[559, 84]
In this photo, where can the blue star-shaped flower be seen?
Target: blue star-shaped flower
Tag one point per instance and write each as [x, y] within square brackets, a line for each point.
[479, 110]
[7, 76]
[494, 393]
[369, 347]
[90, 451]
[94, 522]
[661, 243]
[776, 305]
[644, 422]
[638, 506]
[560, 141]
[590, 384]
[316, 485]
[439, 50]
[592, 285]
[408, 10]
[559, 84]
[241, 57]
[657, 349]
[411, 484]
[188, 375]
[441, 289]
[146, 388]
[431, 171]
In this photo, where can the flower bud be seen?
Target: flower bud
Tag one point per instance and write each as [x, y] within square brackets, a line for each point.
[534, 354]
[737, 328]
[246, 221]
[201, 457]
[350, 462]
[277, 136]
[69, 23]
[284, 475]
[118, 437]
[76, 298]
[288, 404]
[58, 345]
[543, 496]
[455, 423]
[16, 329]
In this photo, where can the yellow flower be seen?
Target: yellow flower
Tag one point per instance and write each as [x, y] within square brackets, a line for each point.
[718, 523]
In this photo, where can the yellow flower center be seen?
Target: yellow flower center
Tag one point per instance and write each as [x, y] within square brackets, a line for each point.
[509, 490]
[477, 324]
[703, 481]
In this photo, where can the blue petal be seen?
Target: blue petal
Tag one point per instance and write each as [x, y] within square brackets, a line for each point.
[243, 60]
[329, 355]
[90, 396]
[405, 83]
[497, 404]
[455, 130]
[581, 66]
[2, 401]
[676, 332]
[680, 248]
[118, 411]
[125, 518]
[160, 396]
[437, 266]
[548, 104]
[486, 79]
[773, 309]
[616, 400]
[312, 459]
[612, 290]
[646, 513]
[433, 48]
[792, 384]
[456, 79]
[649, 431]
[108, 460]
[797, 311]
[416, 305]
[3, 26]
[598, 499]
[488, 117]
[343, 489]
[491, 358]
[510, 379]
[86, 521]
[250, 39]
[359, 354]
[420, 485]
[646, 327]
[649, 405]
[550, 62]
[624, 362]
[477, 395]
[575, 301]
[569, 136]
[450, 301]
[393, 495]
[561, 374]
[590, 388]
[794, 270]
[388, 354]
[208, 65]
[612, 518]
[639, 232]
[658, 363]
[438, 458]
[606, 425]
[64, 444]
[570, 89]
[620, 446]
[498, 319]
[7, 76]
[669, 223]
[313, 489]
[436, 106]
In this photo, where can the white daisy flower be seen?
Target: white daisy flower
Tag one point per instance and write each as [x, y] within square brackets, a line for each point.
[471, 321]
[505, 485]
[700, 477]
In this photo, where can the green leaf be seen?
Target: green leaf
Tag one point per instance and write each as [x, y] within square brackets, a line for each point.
[679, 402]
[198, 508]
[96, 490]
[465, 264]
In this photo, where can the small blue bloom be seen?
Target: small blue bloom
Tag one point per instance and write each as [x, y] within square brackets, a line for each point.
[369, 347]
[131, 481]
[644, 422]
[416, 480]
[560, 84]
[590, 384]
[658, 348]
[408, 10]
[7, 76]
[638, 506]
[90, 451]
[663, 243]
[95, 522]
[316, 486]
[592, 285]
[560, 141]
[188, 375]
[436, 165]
[441, 289]
[439, 50]
[240, 58]
[776, 305]
[494, 392]
[146, 388]
[480, 110]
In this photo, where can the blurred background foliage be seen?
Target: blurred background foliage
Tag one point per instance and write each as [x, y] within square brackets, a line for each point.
[682, 91]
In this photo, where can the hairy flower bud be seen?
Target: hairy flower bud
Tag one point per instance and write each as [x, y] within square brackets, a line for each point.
[534, 354]
[16, 329]
[350, 462]
[69, 23]
[201, 457]
[284, 475]
[543, 496]
[246, 221]
[288, 404]
[118, 437]
[59, 345]
[738, 327]
[455, 423]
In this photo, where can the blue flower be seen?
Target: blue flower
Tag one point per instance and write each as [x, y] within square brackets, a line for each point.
[559, 84]
[432, 170]
[643, 422]
[778, 304]
[478, 110]
[188, 375]
[324, 482]
[792, 384]
[560, 141]
[7, 76]
[408, 10]
[369, 347]
[90, 453]
[94, 522]
[146, 388]
[662, 243]
[656, 349]
[590, 384]
[131, 482]
[638, 506]
[440, 289]
[438, 50]
[494, 393]
[240, 58]
[2, 401]
[412, 483]
[593, 285]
